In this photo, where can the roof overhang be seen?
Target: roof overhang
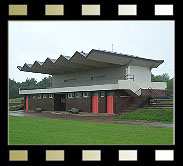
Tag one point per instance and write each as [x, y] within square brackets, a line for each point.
[81, 61]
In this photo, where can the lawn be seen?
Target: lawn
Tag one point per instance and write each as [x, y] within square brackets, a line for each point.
[149, 115]
[40, 131]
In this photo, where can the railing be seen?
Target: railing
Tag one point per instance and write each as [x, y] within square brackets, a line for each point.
[128, 78]
[132, 100]
[153, 92]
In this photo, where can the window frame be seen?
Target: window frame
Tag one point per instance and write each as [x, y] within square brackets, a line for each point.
[86, 96]
[50, 96]
[44, 96]
[39, 96]
[70, 97]
[79, 96]
[102, 94]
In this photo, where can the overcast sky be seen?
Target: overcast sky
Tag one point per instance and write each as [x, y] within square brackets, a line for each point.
[36, 40]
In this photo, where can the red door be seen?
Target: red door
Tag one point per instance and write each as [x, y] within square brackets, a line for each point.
[26, 104]
[95, 103]
[110, 103]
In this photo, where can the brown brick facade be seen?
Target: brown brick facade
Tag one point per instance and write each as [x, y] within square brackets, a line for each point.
[61, 102]
[82, 103]
[120, 98]
[155, 93]
[46, 104]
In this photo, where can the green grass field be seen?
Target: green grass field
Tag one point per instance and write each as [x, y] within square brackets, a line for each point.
[26, 130]
[17, 100]
[149, 115]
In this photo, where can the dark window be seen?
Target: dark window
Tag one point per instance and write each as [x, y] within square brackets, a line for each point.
[86, 94]
[45, 96]
[50, 96]
[102, 94]
[70, 95]
[78, 95]
[70, 81]
[39, 96]
[98, 78]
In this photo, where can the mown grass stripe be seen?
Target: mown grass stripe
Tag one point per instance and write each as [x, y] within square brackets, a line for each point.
[39, 131]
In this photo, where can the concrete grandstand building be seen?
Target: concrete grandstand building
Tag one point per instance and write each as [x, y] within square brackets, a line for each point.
[97, 82]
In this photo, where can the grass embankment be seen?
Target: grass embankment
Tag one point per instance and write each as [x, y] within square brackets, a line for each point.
[149, 115]
[17, 100]
[27, 130]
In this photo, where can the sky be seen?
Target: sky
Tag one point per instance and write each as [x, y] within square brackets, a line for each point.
[29, 41]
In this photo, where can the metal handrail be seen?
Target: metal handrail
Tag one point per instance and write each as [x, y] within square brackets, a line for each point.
[128, 99]
[136, 98]
[129, 75]
[155, 94]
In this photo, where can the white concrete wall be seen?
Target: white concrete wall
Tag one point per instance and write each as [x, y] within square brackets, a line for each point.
[140, 73]
[129, 85]
[83, 78]
[153, 85]
[71, 89]
[122, 84]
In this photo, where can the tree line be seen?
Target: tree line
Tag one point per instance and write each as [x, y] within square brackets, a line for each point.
[164, 78]
[46, 82]
[28, 84]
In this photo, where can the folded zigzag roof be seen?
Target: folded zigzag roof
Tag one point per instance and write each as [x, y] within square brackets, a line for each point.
[82, 61]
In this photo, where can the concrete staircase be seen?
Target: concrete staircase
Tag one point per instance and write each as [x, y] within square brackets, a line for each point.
[158, 105]
[136, 104]
[20, 107]
[141, 99]
[142, 102]
[17, 107]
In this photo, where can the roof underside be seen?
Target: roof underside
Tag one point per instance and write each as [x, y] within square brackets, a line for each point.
[82, 61]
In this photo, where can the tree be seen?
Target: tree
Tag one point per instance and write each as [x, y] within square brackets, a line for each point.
[164, 78]
[13, 89]
[45, 82]
[28, 84]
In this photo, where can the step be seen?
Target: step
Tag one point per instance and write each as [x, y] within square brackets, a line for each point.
[158, 107]
[150, 105]
[159, 104]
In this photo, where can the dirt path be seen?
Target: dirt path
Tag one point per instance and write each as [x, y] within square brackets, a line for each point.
[101, 118]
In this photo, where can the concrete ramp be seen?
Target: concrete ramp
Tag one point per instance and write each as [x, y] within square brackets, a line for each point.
[130, 87]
